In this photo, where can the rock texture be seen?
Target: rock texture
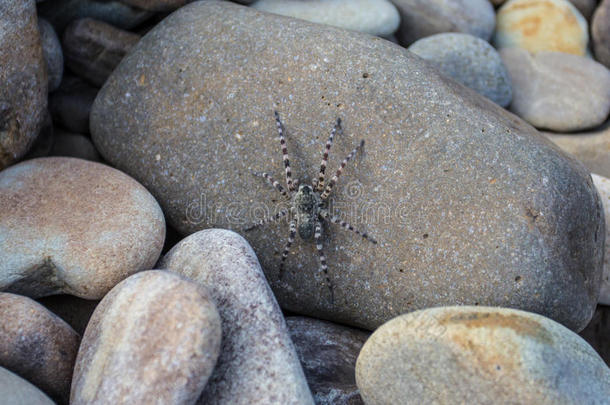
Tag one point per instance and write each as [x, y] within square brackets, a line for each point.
[469, 204]
[591, 148]
[557, 91]
[94, 48]
[600, 31]
[597, 332]
[479, 355]
[375, 17]
[328, 353]
[468, 60]
[586, 7]
[75, 311]
[157, 5]
[258, 363]
[37, 345]
[422, 18]
[154, 339]
[53, 55]
[550, 25]
[603, 187]
[75, 227]
[71, 104]
[73, 145]
[23, 79]
[17, 391]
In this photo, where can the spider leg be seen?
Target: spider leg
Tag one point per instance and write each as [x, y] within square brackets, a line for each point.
[274, 183]
[323, 266]
[285, 157]
[293, 231]
[332, 181]
[319, 184]
[264, 221]
[336, 220]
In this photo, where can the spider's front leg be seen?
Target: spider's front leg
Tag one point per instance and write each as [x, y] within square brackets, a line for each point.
[323, 266]
[334, 179]
[264, 221]
[293, 232]
[280, 129]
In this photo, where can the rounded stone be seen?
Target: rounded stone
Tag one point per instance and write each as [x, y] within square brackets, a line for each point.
[53, 54]
[23, 79]
[75, 311]
[421, 19]
[154, 338]
[603, 188]
[375, 17]
[600, 31]
[14, 390]
[157, 5]
[558, 91]
[75, 227]
[550, 25]
[586, 7]
[468, 60]
[70, 104]
[258, 362]
[479, 355]
[74, 145]
[37, 345]
[328, 353]
[597, 332]
[458, 220]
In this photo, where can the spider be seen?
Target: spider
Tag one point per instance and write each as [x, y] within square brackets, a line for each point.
[308, 202]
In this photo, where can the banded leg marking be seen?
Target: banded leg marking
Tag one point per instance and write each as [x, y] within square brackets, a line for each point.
[337, 129]
[333, 181]
[323, 265]
[285, 157]
[293, 232]
[274, 183]
[264, 221]
[336, 220]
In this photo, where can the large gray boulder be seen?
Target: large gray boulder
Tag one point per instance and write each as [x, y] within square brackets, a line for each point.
[469, 204]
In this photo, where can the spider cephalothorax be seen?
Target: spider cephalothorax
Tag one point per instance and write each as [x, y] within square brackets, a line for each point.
[308, 202]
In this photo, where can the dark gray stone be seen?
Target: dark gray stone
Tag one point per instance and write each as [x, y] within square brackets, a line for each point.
[53, 54]
[597, 332]
[469, 203]
[71, 104]
[17, 391]
[75, 311]
[328, 353]
[73, 145]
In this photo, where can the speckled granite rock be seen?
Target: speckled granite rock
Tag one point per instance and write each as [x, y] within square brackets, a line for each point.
[600, 31]
[468, 60]
[591, 148]
[479, 355]
[558, 91]
[75, 227]
[75, 311]
[154, 339]
[14, 390]
[37, 345]
[459, 220]
[71, 104]
[23, 79]
[73, 145]
[375, 17]
[94, 48]
[597, 332]
[53, 54]
[61, 12]
[603, 188]
[550, 25]
[422, 18]
[328, 354]
[258, 363]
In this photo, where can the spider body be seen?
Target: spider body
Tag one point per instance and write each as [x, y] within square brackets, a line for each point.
[308, 202]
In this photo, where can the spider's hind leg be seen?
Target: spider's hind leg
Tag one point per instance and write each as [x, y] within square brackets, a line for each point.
[293, 232]
[324, 214]
[264, 221]
[274, 183]
[323, 265]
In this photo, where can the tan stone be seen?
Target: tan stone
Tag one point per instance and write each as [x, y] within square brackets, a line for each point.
[600, 31]
[37, 345]
[75, 227]
[479, 355]
[541, 25]
[154, 339]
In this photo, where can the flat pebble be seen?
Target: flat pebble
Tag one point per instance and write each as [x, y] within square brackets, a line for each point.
[600, 31]
[558, 91]
[550, 25]
[37, 345]
[53, 55]
[75, 227]
[375, 17]
[258, 363]
[71, 103]
[94, 48]
[23, 79]
[14, 390]
[591, 148]
[603, 188]
[468, 60]
[479, 355]
[153, 339]
[421, 19]
[328, 353]
[73, 145]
